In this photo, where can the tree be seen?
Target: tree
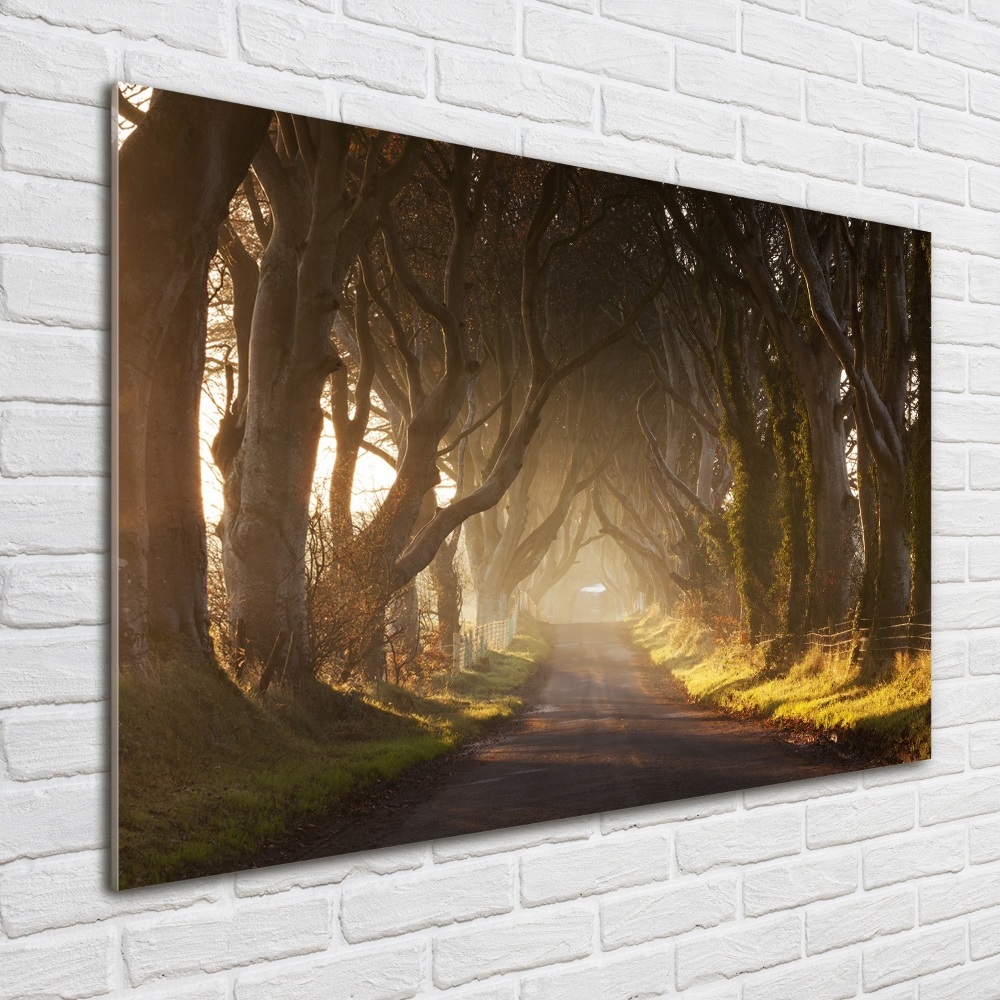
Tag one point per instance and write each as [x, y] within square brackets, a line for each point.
[177, 171]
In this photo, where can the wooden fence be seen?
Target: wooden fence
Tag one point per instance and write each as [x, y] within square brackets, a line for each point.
[895, 635]
[472, 644]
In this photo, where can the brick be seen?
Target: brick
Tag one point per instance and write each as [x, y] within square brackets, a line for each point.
[668, 911]
[209, 942]
[984, 281]
[732, 177]
[55, 289]
[984, 188]
[800, 148]
[860, 110]
[755, 945]
[741, 839]
[915, 173]
[984, 747]
[964, 323]
[52, 667]
[225, 80]
[65, 891]
[985, 10]
[77, 71]
[959, 799]
[800, 791]
[799, 44]
[684, 125]
[949, 662]
[914, 857]
[188, 24]
[203, 991]
[984, 463]
[947, 613]
[858, 818]
[320, 47]
[782, 887]
[984, 936]
[633, 978]
[329, 871]
[511, 946]
[42, 593]
[787, 6]
[904, 958]
[512, 88]
[949, 412]
[393, 906]
[860, 202]
[61, 966]
[51, 745]
[518, 838]
[956, 41]
[949, 897]
[948, 464]
[596, 47]
[966, 702]
[876, 19]
[53, 441]
[970, 981]
[859, 919]
[51, 365]
[967, 514]
[948, 369]
[52, 140]
[959, 136]
[909, 74]
[488, 24]
[713, 22]
[386, 973]
[596, 867]
[52, 818]
[984, 560]
[984, 95]
[52, 518]
[732, 80]
[948, 280]
[669, 812]
[828, 979]
[965, 229]
[984, 654]
[407, 115]
[598, 152]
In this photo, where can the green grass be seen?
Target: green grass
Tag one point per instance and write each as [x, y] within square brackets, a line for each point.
[886, 722]
[209, 774]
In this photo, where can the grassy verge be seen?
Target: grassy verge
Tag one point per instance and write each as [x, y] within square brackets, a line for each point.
[209, 774]
[888, 722]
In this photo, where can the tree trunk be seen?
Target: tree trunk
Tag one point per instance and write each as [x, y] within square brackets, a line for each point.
[177, 569]
[177, 172]
[448, 592]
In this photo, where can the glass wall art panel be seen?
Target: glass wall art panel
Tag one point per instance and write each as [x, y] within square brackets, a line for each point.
[457, 490]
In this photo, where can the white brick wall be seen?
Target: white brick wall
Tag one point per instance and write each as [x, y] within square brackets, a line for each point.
[886, 883]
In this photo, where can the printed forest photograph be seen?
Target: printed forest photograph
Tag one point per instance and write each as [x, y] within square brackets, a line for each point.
[457, 490]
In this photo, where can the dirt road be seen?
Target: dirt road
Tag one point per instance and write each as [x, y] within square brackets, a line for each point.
[600, 739]
[607, 732]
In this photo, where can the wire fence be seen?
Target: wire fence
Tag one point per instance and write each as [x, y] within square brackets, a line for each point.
[472, 644]
[909, 633]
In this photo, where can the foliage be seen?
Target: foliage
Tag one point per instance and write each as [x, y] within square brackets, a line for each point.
[884, 722]
[210, 772]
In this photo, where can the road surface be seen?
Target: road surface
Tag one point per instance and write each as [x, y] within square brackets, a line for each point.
[599, 739]
[607, 731]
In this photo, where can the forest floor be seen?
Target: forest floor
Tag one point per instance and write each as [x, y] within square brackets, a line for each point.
[211, 777]
[608, 731]
[818, 697]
